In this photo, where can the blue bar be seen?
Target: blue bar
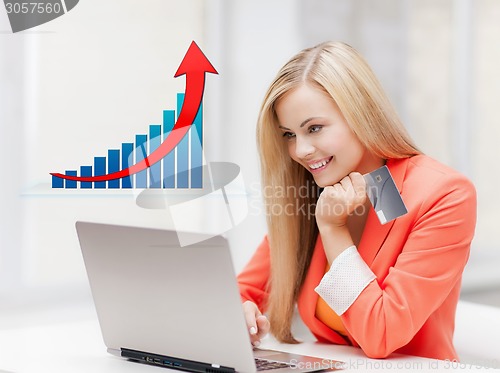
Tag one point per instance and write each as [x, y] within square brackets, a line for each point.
[99, 169]
[197, 150]
[113, 166]
[182, 152]
[154, 143]
[71, 184]
[169, 159]
[141, 178]
[57, 182]
[127, 161]
[86, 171]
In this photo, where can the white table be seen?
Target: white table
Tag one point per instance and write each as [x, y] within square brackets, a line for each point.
[77, 346]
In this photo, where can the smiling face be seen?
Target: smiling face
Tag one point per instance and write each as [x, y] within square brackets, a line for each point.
[319, 137]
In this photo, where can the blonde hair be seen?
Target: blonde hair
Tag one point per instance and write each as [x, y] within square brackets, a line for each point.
[341, 72]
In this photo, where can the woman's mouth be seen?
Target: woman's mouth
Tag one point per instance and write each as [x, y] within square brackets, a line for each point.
[319, 165]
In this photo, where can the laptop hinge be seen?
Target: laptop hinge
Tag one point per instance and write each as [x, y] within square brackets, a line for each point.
[173, 362]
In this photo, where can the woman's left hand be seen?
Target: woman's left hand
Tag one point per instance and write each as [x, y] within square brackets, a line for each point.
[339, 201]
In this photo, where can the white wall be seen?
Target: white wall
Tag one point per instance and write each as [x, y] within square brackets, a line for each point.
[254, 39]
[77, 86]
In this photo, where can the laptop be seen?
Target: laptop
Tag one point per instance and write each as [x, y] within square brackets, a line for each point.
[172, 306]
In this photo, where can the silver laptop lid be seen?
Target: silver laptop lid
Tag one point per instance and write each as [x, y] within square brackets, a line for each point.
[154, 296]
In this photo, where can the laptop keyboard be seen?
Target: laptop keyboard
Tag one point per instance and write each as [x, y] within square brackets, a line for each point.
[263, 364]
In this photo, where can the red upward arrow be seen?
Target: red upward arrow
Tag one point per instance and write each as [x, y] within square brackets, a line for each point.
[194, 65]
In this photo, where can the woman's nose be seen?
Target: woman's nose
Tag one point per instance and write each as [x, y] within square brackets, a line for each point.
[303, 147]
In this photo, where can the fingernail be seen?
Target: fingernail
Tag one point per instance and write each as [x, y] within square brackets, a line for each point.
[253, 330]
[256, 344]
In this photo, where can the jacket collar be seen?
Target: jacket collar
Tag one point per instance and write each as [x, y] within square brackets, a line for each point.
[375, 233]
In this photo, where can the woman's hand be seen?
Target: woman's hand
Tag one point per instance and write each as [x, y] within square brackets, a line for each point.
[258, 324]
[339, 201]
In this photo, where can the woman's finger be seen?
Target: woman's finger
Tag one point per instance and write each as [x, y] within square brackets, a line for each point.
[263, 326]
[252, 312]
[346, 183]
[358, 184]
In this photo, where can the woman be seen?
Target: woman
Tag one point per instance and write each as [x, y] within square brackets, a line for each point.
[326, 121]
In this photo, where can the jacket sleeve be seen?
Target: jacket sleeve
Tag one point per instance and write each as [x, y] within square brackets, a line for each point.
[253, 280]
[388, 313]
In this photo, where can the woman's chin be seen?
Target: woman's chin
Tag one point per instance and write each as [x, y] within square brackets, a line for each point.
[327, 180]
[321, 182]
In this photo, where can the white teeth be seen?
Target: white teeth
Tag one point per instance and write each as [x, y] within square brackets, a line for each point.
[319, 164]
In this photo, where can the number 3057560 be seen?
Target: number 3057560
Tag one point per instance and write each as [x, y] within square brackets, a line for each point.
[33, 8]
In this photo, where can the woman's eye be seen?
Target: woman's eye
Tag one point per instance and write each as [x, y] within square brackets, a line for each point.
[288, 135]
[314, 128]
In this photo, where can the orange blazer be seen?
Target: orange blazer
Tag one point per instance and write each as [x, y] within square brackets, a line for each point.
[418, 260]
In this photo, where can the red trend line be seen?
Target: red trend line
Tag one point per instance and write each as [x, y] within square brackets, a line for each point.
[194, 66]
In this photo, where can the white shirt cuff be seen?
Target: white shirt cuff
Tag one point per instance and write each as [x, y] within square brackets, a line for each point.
[346, 279]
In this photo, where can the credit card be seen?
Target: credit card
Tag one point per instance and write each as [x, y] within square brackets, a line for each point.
[384, 195]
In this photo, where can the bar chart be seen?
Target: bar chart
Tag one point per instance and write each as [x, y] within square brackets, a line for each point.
[181, 168]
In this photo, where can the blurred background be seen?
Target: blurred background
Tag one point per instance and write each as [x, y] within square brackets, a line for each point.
[92, 78]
